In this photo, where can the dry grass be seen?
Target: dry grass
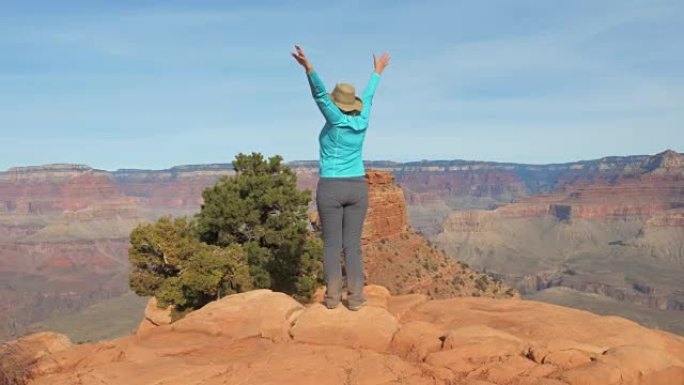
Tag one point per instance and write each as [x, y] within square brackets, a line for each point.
[15, 365]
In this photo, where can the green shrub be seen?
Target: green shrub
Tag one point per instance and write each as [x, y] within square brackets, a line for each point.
[261, 208]
[251, 232]
[170, 263]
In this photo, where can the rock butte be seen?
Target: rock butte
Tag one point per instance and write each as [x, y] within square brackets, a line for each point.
[403, 261]
[264, 337]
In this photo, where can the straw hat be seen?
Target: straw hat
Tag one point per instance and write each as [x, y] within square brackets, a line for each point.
[344, 97]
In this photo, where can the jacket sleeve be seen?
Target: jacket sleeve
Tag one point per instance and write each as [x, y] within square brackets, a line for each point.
[332, 114]
[368, 94]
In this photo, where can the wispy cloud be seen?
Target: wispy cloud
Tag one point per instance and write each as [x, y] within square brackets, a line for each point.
[487, 80]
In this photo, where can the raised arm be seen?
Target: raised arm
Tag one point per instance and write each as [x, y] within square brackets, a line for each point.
[332, 114]
[367, 97]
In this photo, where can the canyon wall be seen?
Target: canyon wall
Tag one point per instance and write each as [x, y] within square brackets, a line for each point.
[64, 228]
[614, 234]
[64, 232]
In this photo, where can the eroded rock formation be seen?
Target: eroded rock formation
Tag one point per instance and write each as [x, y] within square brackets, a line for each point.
[398, 258]
[262, 337]
[64, 228]
[618, 233]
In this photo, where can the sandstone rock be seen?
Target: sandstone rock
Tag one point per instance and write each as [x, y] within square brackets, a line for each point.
[537, 353]
[561, 344]
[468, 357]
[368, 328]
[439, 375]
[145, 327]
[540, 371]
[636, 361]
[377, 295]
[252, 361]
[487, 342]
[484, 335]
[669, 376]
[155, 314]
[522, 318]
[386, 217]
[401, 304]
[468, 348]
[92, 355]
[506, 371]
[378, 177]
[594, 373]
[567, 359]
[374, 369]
[541, 381]
[17, 357]
[258, 313]
[415, 340]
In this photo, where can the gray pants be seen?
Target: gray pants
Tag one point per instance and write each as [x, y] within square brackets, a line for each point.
[342, 204]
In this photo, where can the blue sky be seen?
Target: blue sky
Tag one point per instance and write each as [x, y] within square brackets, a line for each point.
[145, 84]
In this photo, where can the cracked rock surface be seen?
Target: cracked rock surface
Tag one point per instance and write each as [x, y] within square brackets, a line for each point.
[264, 337]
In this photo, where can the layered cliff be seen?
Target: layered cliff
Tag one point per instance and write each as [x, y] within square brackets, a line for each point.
[64, 228]
[483, 185]
[64, 232]
[617, 234]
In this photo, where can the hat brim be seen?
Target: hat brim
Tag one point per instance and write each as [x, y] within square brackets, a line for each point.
[356, 106]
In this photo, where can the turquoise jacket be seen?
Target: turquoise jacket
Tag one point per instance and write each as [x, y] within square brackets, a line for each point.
[341, 139]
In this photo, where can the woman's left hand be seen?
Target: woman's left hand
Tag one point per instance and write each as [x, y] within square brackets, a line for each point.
[381, 63]
[301, 58]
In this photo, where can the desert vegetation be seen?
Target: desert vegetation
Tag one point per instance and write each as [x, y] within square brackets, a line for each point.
[252, 231]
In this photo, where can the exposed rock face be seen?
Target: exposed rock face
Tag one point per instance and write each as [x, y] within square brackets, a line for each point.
[669, 218]
[386, 217]
[178, 189]
[462, 185]
[625, 197]
[54, 189]
[64, 232]
[155, 315]
[403, 261]
[437, 342]
[665, 162]
[64, 228]
[483, 187]
[618, 233]
[17, 357]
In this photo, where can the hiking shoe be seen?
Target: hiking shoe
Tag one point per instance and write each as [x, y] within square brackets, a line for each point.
[332, 306]
[356, 306]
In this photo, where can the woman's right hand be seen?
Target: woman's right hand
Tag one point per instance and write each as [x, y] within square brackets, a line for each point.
[301, 58]
[382, 63]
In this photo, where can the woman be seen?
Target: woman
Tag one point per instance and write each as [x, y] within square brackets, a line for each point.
[342, 192]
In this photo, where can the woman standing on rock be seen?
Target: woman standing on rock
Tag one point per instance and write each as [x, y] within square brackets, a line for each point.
[342, 192]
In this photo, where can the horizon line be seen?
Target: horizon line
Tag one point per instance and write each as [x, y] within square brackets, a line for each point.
[84, 165]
